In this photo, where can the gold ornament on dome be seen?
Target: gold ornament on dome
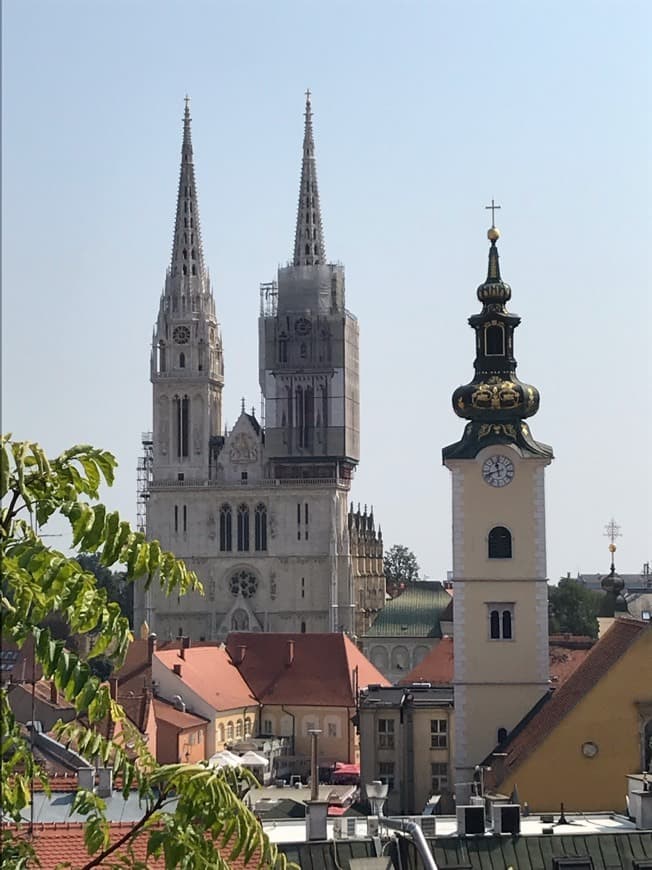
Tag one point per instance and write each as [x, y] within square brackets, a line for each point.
[495, 396]
[497, 429]
[531, 401]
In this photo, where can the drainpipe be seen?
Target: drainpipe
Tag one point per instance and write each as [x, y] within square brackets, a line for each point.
[416, 833]
[294, 724]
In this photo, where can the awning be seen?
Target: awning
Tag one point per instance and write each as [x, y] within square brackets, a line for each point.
[253, 759]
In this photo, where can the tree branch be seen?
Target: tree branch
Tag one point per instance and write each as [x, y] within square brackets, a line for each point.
[130, 835]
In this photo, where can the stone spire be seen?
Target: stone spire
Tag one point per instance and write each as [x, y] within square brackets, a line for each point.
[187, 251]
[309, 248]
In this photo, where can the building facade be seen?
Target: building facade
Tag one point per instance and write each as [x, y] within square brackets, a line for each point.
[499, 546]
[259, 512]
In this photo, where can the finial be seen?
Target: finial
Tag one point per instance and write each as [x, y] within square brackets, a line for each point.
[242, 408]
[186, 100]
[493, 233]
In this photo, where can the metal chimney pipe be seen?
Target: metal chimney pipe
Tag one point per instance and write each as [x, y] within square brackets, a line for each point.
[314, 765]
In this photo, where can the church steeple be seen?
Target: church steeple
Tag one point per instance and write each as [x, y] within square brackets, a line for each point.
[187, 250]
[309, 247]
[496, 402]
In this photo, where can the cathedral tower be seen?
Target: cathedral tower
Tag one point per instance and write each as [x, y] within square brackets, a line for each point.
[309, 350]
[187, 368]
[499, 547]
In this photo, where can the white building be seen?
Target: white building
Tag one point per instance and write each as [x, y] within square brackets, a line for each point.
[261, 514]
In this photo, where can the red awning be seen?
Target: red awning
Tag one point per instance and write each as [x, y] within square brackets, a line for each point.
[347, 769]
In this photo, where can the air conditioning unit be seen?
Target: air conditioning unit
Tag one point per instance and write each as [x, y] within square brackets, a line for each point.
[470, 820]
[507, 818]
[349, 827]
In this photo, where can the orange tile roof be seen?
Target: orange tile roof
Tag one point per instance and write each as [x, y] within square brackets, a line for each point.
[181, 720]
[57, 842]
[302, 669]
[550, 712]
[566, 653]
[210, 673]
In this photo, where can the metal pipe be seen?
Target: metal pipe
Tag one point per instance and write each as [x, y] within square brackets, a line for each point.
[314, 767]
[416, 833]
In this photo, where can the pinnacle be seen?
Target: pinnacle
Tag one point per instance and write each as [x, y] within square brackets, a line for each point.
[309, 247]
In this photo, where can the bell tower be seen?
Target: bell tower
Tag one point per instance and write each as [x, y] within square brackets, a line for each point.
[187, 366]
[499, 547]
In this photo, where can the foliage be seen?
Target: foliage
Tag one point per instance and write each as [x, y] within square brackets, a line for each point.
[118, 588]
[573, 608]
[401, 569]
[38, 581]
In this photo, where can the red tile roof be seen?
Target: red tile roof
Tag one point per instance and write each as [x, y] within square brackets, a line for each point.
[179, 719]
[302, 669]
[550, 712]
[436, 667]
[210, 673]
[58, 842]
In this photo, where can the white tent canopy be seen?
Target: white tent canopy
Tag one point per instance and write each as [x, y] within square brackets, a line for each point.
[225, 759]
[253, 759]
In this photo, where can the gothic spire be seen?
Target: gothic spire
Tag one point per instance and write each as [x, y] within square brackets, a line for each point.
[187, 250]
[309, 248]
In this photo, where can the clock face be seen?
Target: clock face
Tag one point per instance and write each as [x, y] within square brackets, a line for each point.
[498, 471]
[303, 326]
[181, 334]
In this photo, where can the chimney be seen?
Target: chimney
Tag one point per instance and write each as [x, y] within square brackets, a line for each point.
[86, 778]
[151, 648]
[104, 781]
[177, 670]
[186, 642]
[290, 652]
[242, 652]
[54, 695]
[113, 688]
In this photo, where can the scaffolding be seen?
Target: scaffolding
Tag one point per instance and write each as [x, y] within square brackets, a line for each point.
[145, 466]
[268, 299]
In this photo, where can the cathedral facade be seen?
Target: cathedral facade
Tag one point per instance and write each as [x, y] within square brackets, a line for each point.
[259, 512]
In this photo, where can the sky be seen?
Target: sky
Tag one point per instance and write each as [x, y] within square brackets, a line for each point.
[423, 112]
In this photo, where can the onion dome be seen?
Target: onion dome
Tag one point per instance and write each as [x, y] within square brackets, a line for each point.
[495, 401]
[613, 584]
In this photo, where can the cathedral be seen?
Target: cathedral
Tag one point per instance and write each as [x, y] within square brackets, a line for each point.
[260, 512]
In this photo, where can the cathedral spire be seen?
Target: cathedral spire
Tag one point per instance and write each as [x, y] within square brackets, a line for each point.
[309, 248]
[187, 250]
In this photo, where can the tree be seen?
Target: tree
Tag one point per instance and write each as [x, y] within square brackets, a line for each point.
[118, 588]
[401, 569]
[572, 608]
[207, 815]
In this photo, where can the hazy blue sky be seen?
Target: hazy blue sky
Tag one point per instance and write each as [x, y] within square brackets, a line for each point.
[424, 111]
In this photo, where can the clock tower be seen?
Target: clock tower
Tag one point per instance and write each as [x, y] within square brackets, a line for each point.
[499, 547]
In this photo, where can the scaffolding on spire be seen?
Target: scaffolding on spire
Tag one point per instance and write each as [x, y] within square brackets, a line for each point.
[144, 478]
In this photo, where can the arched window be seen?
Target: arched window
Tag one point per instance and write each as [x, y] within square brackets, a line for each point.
[247, 727]
[307, 249]
[303, 628]
[220, 732]
[225, 528]
[243, 528]
[161, 356]
[181, 424]
[494, 340]
[229, 730]
[494, 620]
[501, 734]
[507, 625]
[182, 360]
[260, 527]
[500, 543]
[282, 351]
[238, 729]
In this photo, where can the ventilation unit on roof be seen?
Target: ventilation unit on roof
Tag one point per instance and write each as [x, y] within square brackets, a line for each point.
[470, 820]
[507, 818]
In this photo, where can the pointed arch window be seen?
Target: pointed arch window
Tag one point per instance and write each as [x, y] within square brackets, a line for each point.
[225, 528]
[161, 356]
[182, 360]
[181, 425]
[260, 527]
[243, 528]
[282, 351]
[500, 543]
[307, 249]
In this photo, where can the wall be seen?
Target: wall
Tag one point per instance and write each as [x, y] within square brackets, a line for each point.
[293, 721]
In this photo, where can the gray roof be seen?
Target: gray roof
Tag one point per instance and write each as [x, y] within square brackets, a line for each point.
[415, 613]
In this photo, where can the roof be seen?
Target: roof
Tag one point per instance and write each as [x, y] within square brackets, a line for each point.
[302, 669]
[566, 653]
[417, 612]
[64, 842]
[533, 729]
[179, 719]
[210, 673]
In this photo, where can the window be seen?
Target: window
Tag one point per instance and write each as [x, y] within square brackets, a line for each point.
[303, 628]
[243, 528]
[244, 477]
[176, 518]
[229, 730]
[260, 527]
[385, 733]
[332, 729]
[220, 733]
[501, 734]
[185, 518]
[438, 776]
[500, 543]
[494, 340]
[238, 729]
[386, 773]
[182, 424]
[438, 733]
[268, 726]
[243, 583]
[182, 360]
[282, 351]
[225, 528]
[303, 587]
[501, 621]
[247, 727]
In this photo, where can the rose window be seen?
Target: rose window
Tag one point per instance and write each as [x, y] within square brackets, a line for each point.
[243, 583]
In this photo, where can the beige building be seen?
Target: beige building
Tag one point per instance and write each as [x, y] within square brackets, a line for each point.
[499, 538]
[407, 741]
[260, 512]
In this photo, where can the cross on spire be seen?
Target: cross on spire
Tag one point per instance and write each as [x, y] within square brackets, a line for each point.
[612, 531]
[493, 208]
